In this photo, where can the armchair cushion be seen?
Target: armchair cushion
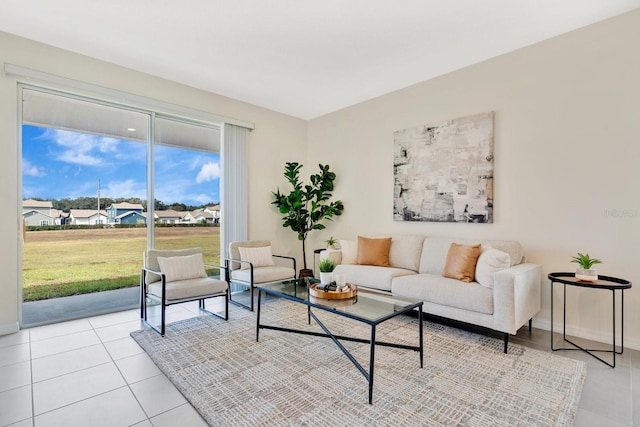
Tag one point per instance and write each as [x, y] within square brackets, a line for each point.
[151, 259]
[182, 267]
[190, 288]
[234, 250]
[259, 257]
[263, 274]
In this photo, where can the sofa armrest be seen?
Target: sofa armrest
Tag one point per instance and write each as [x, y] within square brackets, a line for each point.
[333, 254]
[516, 296]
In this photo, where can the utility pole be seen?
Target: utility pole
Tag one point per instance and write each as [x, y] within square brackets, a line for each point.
[99, 219]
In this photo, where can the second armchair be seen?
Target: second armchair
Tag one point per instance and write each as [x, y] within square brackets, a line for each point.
[251, 263]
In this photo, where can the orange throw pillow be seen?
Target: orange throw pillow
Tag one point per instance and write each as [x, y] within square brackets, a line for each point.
[461, 262]
[374, 251]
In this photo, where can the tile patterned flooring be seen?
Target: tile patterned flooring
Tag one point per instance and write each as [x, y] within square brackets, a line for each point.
[91, 372]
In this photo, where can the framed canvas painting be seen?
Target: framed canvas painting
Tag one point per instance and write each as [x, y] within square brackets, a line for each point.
[443, 172]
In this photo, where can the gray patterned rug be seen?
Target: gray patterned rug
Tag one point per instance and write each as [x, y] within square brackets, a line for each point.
[292, 379]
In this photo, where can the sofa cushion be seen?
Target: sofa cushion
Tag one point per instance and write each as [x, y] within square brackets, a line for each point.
[490, 261]
[513, 248]
[405, 251]
[182, 267]
[374, 251]
[349, 249]
[435, 249]
[371, 276]
[461, 262]
[444, 291]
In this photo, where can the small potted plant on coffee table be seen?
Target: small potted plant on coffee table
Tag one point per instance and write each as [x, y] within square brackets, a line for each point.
[585, 272]
[326, 267]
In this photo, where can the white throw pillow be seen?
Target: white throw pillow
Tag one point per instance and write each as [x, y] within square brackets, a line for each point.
[182, 267]
[259, 257]
[349, 250]
[491, 261]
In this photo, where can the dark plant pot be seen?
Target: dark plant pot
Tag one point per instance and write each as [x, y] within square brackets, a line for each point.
[305, 272]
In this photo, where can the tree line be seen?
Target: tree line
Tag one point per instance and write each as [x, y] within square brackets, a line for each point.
[92, 202]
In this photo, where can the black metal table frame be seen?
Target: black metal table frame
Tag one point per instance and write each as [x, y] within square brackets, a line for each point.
[327, 333]
[554, 278]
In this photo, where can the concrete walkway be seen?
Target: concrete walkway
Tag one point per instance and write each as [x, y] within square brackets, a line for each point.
[56, 310]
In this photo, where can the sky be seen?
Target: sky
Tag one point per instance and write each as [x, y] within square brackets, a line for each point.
[59, 164]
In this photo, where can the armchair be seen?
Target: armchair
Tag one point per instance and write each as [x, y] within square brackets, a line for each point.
[251, 263]
[176, 276]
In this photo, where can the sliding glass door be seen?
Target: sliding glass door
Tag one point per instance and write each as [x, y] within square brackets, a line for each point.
[103, 182]
[187, 186]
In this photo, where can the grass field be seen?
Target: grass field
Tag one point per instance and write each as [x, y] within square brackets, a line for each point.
[69, 262]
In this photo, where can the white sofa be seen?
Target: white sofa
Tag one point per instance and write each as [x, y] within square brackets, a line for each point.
[507, 300]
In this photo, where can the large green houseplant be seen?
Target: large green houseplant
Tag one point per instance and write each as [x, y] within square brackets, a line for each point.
[307, 205]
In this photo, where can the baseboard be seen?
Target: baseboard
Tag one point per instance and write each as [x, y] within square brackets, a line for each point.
[9, 328]
[601, 337]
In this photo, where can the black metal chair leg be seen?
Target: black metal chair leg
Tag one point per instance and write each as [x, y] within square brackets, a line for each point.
[239, 304]
[142, 296]
[226, 306]
[162, 316]
[506, 342]
[530, 323]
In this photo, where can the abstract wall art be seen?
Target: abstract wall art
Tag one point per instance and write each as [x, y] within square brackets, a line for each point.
[443, 172]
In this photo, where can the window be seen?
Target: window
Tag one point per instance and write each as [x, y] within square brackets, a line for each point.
[94, 162]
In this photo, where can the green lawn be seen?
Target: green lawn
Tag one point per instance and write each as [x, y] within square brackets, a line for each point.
[68, 262]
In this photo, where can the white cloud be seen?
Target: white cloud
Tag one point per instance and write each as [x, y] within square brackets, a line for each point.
[208, 172]
[203, 198]
[82, 149]
[107, 145]
[79, 158]
[31, 170]
[127, 188]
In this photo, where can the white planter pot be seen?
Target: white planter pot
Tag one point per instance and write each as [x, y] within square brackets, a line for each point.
[325, 278]
[585, 275]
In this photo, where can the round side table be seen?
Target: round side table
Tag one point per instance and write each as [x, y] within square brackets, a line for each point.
[612, 284]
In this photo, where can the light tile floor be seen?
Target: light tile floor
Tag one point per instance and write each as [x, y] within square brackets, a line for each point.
[90, 372]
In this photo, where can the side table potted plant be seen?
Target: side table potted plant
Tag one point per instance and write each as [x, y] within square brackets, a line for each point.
[585, 272]
[326, 267]
[331, 243]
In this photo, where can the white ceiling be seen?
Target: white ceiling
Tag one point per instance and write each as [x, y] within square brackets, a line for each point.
[305, 58]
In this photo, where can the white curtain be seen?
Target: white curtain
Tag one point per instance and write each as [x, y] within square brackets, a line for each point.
[234, 191]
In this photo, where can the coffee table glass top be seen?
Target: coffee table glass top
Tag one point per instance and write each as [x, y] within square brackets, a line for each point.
[370, 306]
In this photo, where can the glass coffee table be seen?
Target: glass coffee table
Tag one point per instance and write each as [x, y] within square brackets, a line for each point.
[367, 307]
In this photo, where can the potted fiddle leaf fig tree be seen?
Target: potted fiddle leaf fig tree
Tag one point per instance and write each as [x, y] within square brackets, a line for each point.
[586, 272]
[306, 206]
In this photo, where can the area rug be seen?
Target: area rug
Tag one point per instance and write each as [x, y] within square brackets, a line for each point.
[292, 379]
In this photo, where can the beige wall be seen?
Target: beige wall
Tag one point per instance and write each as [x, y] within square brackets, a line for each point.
[567, 149]
[567, 123]
[277, 138]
